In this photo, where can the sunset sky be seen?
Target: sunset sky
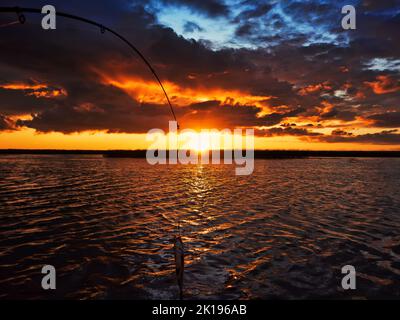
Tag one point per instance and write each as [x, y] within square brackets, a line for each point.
[285, 68]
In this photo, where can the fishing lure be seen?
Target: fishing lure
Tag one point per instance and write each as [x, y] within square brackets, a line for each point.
[179, 262]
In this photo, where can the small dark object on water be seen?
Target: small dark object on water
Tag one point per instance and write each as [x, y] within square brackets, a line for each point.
[179, 263]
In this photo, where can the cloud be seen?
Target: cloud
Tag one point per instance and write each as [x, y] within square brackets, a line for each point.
[288, 131]
[275, 118]
[338, 132]
[338, 114]
[99, 107]
[211, 8]
[390, 137]
[216, 114]
[190, 27]
[22, 101]
[384, 84]
[315, 88]
[258, 10]
[6, 124]
[387, 120]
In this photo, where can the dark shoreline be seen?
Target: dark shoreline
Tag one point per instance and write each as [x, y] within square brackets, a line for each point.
[258, 154]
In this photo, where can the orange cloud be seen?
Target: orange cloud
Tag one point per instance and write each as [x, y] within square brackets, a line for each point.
[314, 88]
[150, 92]
[384, 84]
[325, 107]
[37, 90]
[23, 86]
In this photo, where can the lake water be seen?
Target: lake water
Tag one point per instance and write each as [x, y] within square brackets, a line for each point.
[283, 232]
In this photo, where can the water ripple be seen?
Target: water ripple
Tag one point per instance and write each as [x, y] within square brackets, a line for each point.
[283, 232]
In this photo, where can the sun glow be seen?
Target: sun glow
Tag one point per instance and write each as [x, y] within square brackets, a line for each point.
[200, 141]
[203, 141]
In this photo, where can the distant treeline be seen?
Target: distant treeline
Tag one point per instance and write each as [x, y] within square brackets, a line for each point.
[258, 154]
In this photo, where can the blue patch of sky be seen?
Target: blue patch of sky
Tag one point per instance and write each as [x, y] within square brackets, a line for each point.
[220, 31]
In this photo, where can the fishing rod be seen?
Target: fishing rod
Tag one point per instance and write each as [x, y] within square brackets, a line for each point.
[21, 18]
[178, 244]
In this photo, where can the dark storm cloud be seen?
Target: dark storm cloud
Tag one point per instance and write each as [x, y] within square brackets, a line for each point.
[335, 113]
[65, 119]
[67, 64]
[112, 111]
[19, 102]
[244, 29]
[311, 11]
[177, 53]
[291, 19]
[116, 112]
[224, 115]
[275, 118]
[240, 69]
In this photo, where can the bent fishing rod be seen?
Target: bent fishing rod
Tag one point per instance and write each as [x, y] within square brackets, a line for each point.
[19, 11]
[21, 19]
[178, 244]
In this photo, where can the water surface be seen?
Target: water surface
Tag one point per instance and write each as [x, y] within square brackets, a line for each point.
[283, 232]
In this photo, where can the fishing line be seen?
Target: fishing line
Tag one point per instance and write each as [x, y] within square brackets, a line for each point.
[9, 23]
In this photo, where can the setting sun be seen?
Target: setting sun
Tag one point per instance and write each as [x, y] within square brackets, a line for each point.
[203, 140]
